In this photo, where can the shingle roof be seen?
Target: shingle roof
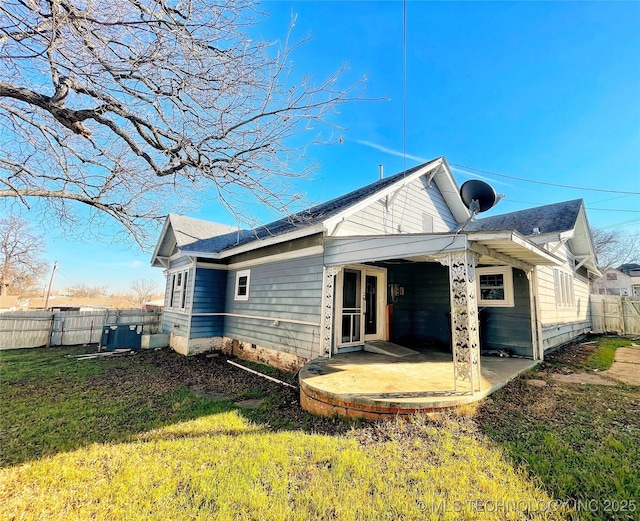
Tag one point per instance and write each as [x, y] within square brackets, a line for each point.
[198, 235]
[319, 213]
[550, 218]
[628, 268]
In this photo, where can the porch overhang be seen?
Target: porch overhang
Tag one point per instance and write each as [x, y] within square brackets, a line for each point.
[509, 247]
[339, 251]
[493, 247]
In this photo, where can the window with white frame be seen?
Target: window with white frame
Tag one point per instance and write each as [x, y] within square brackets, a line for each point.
[495, 286]
[242, 285]
[178, 295]
[563, 282]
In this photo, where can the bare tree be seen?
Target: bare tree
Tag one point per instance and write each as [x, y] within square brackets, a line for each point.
[121, 105]
[144, 288]
[21, 264]
[87, 291]
[614, 248]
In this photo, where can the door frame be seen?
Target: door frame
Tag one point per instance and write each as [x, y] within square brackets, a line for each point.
[381, 294]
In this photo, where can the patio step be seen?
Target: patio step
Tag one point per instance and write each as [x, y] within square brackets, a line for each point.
[383, 347]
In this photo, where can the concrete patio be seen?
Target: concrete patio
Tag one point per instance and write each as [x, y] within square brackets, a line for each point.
[376, 386]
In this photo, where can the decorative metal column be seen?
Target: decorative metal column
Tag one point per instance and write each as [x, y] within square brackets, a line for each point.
[328, 277]
[465, 340]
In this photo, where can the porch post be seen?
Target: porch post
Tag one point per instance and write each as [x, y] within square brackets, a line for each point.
[328, 282]
[534, 304]
[465, 340]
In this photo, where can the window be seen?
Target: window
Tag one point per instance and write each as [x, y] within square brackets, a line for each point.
[564, 288]
[242, 285]
[612, 276]
[495, 287]
[178, 296]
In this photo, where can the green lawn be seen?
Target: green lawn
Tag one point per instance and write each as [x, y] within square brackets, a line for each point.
[128, 438]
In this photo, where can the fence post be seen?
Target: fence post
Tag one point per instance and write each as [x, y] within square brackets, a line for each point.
[620, 315]
[50, 336]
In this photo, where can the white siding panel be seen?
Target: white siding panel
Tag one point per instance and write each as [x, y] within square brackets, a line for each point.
[405, 213]
[562, 323]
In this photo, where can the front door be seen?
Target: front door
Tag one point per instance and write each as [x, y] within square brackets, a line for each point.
[360, 301]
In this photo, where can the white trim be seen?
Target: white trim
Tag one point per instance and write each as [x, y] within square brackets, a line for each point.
[381, 325]
[564, 288]
[156, 250]
[257, 317]
[519, 240]
[507, 279]
[208, 266]
[184, 272]
[240, 274]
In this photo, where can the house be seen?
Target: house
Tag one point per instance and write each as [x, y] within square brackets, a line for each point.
[624, 281]
[399, 261]
[9, 303]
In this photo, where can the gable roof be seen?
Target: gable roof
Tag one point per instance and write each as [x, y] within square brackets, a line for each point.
[336, 208]
[323, 211]
[550, 218]
[208, 239]
[198, 235]
[191, 235]
[555, 222]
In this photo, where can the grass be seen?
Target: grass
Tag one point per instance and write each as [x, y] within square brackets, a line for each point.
[581, 441]
[602, 357]
[127, 438]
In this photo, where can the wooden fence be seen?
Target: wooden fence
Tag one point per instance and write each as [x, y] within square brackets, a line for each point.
[615, 314]
[22, 329]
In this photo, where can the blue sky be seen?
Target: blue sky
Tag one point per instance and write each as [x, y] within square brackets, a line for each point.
[542, 91]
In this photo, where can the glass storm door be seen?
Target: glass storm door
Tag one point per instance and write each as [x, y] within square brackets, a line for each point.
[361, 301]
[351, 307]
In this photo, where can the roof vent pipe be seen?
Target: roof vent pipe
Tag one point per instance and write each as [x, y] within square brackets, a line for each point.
[381, 166]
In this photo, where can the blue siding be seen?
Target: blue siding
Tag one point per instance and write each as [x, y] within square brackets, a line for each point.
[208, 297]
[421, 315]
[284, 290]
[509, 328]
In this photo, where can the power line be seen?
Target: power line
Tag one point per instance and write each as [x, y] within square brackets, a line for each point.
[590, 208]
[545, 183]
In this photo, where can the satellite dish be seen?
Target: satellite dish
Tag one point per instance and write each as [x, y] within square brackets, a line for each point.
[478, 196]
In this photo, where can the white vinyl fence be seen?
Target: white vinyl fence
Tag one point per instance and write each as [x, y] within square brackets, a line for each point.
[22, 329]
[615, 314]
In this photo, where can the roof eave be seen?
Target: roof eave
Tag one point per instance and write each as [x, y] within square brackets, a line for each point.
[542, 256]
[156, 250]
[276, 239]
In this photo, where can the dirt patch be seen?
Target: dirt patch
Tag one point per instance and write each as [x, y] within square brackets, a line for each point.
[572, 355]
[272, 404]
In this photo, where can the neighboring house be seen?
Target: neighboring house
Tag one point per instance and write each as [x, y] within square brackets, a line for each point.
[624, 281]
[9, 303]
[390, 261]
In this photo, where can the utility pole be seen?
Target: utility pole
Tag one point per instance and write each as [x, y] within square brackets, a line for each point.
[53, 272]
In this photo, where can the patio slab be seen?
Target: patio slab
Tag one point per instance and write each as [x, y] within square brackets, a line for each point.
[375, 386]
